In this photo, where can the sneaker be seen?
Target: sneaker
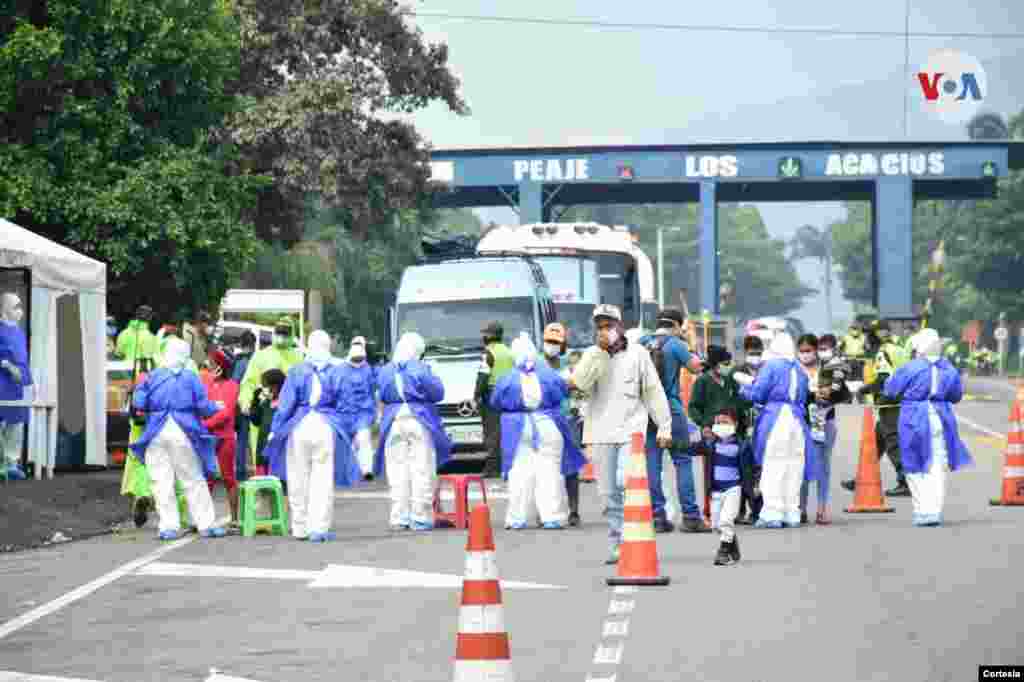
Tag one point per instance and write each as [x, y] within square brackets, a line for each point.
[901, 490]
[803, 517]
[215, 532]
[553, 525]
[663, 526]
[613, 557]
[724, 556]
[734, 548]
[14, 473]
[516, 526]
[169, 535]
[141, 512]
[321, 537]
[694, 526]
[574, 519]
[397, 527]
[761, 523]
[368, 476]
[849, 484]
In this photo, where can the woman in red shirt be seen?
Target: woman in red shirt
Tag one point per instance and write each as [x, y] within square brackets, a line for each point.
[221, 388]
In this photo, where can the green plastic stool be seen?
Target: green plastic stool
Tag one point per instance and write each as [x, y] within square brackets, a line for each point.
[248, 492]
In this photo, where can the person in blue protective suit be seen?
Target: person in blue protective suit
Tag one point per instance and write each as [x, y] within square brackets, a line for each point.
[413, 444]
[929, 439]
[15, 375]
[308, 446]
[536, 444]
[175, 444]
[357, 405]
[782, 440]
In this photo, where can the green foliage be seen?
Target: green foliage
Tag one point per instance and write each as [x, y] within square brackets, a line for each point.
[765, 281]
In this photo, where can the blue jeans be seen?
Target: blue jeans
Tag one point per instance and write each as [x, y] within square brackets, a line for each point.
[683, 462]
[824, 478]
[611, 461]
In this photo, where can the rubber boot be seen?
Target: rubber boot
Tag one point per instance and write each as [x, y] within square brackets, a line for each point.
[901, 489]
[724, 556]
[572, 490]
[734, 548]
[849, 484]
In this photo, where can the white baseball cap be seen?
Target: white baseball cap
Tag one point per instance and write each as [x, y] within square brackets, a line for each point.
[607, 310]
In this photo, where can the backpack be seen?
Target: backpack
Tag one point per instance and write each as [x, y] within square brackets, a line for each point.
[655, 345]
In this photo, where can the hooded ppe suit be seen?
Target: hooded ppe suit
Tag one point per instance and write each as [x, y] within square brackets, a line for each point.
[308, 446]
[929, 439]
[782, 440]
[175, 444]
[358, 404]
[15, 375]
[536, 443]
[413, 444]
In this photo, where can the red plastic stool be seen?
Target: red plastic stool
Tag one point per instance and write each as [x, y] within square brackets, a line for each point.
[460, 484]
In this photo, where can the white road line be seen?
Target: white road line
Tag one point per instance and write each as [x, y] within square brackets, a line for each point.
[601, 679]
[608, 655]
[619, 607]
[6, 676]
[216, 676]
[979, 427]
[32, 616]
[616, 628]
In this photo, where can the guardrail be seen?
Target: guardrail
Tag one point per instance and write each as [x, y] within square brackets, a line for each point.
[46, 410]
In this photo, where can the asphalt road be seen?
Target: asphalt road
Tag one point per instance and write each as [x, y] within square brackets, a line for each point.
[870, 598]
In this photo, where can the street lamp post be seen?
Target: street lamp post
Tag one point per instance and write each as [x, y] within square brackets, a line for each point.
[661, 262]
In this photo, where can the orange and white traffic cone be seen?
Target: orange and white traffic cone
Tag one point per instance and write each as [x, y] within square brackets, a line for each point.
[1013, 468]
[868, 496]
[481, 651]
[638, 556]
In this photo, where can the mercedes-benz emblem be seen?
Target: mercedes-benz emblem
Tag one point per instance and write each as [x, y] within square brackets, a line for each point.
[466, 408]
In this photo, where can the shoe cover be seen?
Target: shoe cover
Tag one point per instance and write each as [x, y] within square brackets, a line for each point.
[15, 473]
[169, 535]
[216, 532]
[552, 525]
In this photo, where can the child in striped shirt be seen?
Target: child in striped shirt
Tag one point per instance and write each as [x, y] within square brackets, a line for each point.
[732, 466]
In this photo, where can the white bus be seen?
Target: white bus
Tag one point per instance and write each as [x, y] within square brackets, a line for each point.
[585, 264]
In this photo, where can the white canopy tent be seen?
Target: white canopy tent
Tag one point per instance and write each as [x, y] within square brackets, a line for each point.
[68, 342]
[283, 301]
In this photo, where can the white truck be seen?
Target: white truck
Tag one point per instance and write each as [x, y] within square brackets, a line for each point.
[448, 303]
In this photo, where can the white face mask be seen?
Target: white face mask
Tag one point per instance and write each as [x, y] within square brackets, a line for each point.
[825, 355]
[806, 358]
[723, 430]
[755, 360]
[552, 350]
[278, 340]
[613, 336]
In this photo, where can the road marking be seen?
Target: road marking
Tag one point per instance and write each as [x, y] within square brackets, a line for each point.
[333, 576]
[616, 628]
[32, 616]
[979, 427]
[601, 679]
[6, 676]
[216, 676]
[619, 607]
[608, 655]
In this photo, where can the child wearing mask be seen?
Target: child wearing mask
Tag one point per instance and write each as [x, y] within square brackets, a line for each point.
[830, 391]
[264, 405]
[753, 357]
[732, 460]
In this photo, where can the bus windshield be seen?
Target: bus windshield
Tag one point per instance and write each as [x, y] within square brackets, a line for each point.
[450, 327]
[619, 285]
[571, 279]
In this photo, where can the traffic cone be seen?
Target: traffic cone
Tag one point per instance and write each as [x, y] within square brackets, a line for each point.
[481, 650]
[868, 496]
[1013, 468]
[638, 559]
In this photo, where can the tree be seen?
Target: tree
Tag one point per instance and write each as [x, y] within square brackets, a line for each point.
[321, 82]
[765, 281]
[813, 243]
[988, 126]
[105, 112]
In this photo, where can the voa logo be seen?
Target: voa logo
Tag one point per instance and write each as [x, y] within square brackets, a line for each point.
[952, 85]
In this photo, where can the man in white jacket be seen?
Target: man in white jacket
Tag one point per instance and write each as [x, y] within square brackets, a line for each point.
[624, 393]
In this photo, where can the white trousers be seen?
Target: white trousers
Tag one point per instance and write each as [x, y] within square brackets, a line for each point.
[10, 443]
[536, 487]
[782, 471]
[928, 490]
[410, 461]
[170, 456]
[364, 450]
[311, 476]
[725, 506]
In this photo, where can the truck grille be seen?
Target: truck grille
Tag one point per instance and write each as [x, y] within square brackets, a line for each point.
[451, 411]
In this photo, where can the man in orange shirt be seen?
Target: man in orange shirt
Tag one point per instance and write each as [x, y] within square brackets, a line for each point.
[220, 387]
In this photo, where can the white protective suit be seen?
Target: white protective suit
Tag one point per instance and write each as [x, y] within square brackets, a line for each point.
[170, 455]
[409, 453]
[782, 471]
[311, 456]
[928, 490]
[535, 483]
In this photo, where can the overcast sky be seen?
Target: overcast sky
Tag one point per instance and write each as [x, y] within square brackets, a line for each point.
[558, 85]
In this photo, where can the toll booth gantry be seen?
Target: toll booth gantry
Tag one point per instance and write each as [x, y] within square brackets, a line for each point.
[889, 175]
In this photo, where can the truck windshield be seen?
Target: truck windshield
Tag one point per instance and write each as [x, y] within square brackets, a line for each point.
[454, 326]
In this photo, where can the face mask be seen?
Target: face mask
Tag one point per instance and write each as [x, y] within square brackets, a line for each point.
[825, 355]
[613, 337]
[724, 430]
[854, 332]
[807, 358]
[755, 360]
[552, 350]
[279, 340]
